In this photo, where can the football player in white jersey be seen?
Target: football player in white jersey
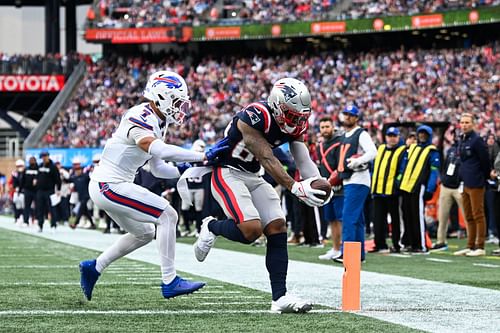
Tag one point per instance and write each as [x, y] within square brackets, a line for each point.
[138, 140]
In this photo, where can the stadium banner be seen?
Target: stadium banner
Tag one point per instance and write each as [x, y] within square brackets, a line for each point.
[31, 83]
[426, 21]
[65, 155]
[355, 26]
[328, 27]
[132, 35]
[223, 32]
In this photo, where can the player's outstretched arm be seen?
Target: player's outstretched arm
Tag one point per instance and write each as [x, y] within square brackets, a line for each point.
[158, 148]
[260, 148]
[303, 160]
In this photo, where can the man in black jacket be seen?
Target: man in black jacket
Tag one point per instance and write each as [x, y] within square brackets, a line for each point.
[474, 171]
[28, 187]
[48, 179]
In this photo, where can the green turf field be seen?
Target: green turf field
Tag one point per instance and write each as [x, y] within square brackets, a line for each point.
[39, 292]
[439, 266]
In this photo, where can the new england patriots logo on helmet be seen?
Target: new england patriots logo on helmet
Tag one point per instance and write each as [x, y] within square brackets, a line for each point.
[171, 82]
[288, 92]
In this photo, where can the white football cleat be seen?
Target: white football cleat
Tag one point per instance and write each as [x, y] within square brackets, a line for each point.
[330, 255]
[205, 241]
[290, 304]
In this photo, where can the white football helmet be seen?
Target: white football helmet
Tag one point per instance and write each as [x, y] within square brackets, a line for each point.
[169, 92]
[290, 103]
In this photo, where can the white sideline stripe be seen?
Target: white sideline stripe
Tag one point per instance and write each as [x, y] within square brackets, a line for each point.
[233, 303]
[138, 275]
[143, 278]
[397, 255]
[138, 312]
[486, 265]
[439, 260]
[416, 303]
[27, 255]
[130, 269]
[37, 266]
[72, 283]
[227, 297]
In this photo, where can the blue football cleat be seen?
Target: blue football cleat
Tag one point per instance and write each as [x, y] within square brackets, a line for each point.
[179, 286]
[88, 277]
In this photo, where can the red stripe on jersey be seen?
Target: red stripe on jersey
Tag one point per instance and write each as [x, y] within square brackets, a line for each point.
[265, 112]
[232, 203]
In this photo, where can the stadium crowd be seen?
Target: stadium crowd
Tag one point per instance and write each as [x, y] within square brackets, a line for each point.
[411, 85]
[364, 8]
[40, 64]
[130, 13]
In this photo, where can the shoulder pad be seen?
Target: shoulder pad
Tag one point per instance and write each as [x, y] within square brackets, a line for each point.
[257, 116]
[143, 117]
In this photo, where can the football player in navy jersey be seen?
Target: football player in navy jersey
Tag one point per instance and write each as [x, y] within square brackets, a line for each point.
[251, 204]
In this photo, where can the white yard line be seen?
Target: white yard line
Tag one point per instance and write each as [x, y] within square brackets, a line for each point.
[486, 265]
[421, 304]
[137, 312]
[439, 260]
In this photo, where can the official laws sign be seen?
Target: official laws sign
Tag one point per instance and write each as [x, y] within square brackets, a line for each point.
[31, 83]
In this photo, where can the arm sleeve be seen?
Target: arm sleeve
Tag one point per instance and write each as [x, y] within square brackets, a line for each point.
[161, 169]
[497, 163]
[57, 178]
[434, 174]
[137, 133]
[303, 161]
[484, 157]
[159, 149]
[369, 149]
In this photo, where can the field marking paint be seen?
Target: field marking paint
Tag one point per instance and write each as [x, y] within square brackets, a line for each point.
[72, 283]
[37, 266]
[397, 255]
[197, 296]
[139, 312]
[234, 303]
[485, 265]
[439, 260]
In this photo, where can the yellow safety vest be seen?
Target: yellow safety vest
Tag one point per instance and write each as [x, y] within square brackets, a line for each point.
[385, 170]
[417, 159]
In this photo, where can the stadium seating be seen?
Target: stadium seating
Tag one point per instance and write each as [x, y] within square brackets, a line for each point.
[412, 85]
[132, 13]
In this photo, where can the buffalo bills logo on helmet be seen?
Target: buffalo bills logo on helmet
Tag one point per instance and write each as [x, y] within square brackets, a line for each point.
[171, 82]
[288, 92]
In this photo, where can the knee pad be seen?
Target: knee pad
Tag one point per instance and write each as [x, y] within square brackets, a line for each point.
[147, 236]
[169, 215]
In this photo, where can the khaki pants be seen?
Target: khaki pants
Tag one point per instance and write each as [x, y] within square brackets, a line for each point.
[473, 201]
[446, 198]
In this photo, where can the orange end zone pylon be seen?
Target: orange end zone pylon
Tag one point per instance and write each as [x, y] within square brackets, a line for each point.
[351, 287]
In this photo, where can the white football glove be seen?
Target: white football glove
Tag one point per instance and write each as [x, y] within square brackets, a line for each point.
[306, 193]
[353, 163]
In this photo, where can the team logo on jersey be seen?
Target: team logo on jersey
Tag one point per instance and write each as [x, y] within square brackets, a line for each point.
[253, 117]
[288, 92]
[171, 82]
[104, 188]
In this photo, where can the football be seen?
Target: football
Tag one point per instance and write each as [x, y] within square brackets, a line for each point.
[323, 185]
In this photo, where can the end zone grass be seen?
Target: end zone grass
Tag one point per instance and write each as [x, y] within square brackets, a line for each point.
[40, 292]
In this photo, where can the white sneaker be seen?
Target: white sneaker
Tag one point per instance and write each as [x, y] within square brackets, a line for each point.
[330, 255]
[476, 253]
[290, 304]
[205, 240]
[462, 252]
